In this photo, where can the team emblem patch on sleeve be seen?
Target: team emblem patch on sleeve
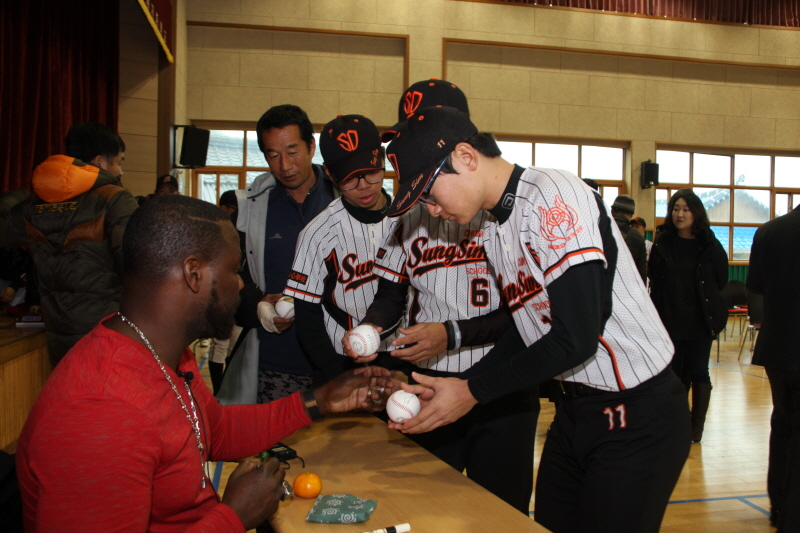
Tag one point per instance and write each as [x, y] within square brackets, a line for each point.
[559, 223]
[381, 253]
[298, 277]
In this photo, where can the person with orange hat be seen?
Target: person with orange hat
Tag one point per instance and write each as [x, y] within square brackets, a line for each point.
[74, 225]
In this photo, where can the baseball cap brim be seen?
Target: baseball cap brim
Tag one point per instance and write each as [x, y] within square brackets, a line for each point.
[409, 192]
[389, 134]
[359, 163]
[420, 146]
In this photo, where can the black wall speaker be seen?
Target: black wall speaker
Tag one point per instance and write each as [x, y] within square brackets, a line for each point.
[194, 147]
[649, 174]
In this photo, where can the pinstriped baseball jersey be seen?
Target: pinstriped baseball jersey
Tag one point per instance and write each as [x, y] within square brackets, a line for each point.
[445, 264]
[554, 226]
[333, 265]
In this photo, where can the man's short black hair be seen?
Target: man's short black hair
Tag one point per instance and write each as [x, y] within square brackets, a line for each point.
[228, 198]
[167, 229]
[284, 115]
[87, 140]
[592, 183]
[484, 142]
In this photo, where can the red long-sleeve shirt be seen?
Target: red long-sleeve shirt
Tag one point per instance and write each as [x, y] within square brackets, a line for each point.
[108, 447]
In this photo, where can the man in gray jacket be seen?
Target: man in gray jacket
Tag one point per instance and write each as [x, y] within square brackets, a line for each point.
[270, 362]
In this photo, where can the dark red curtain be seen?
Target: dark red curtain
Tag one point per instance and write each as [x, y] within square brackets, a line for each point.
[767, 12]
[60, 65]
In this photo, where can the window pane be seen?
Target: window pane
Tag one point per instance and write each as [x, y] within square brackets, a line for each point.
[722, 234]
[717, 203]
[388, 186]
[225, 148]
[251, 175]
[208, 187]
[609, 194]
[254, 156]
[751, 170]
[751, 205]
[673, 167]
[517, 152]
[742, 242]
[601, 163]
[386, 164]
[795, 201]
[781, 204]
[562, 156]
[228, 182]
[662, 198]
[318, 153]
[711, 169]
[787, 172]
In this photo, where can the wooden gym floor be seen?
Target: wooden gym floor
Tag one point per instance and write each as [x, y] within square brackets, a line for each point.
[723, 485]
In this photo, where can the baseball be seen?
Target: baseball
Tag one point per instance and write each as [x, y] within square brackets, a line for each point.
[365, 340]
[402, 405]
[285, 307]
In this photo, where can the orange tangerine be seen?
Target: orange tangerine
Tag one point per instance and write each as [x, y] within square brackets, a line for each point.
[307, 485]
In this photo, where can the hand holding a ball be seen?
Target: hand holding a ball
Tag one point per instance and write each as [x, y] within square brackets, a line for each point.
[361, 343]
[442, 401]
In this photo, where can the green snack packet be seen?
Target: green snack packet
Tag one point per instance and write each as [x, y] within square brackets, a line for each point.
[341, 509]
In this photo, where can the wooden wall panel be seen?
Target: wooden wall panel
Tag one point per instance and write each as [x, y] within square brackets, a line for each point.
[21, 379]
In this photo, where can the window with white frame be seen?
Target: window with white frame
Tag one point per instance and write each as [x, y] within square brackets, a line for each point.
[234, 161]
[604, 164]
[739, 191]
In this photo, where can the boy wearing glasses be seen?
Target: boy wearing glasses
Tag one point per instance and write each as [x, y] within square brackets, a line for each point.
[331, 278]
[621, 431]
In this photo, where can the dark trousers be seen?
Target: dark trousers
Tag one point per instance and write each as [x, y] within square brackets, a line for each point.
[611, 460]
[783, 476]
[493, 443]
[691, 360]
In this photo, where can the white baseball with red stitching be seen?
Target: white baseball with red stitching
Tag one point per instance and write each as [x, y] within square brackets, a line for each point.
[402, 405]
[285, 307]
[364, 340]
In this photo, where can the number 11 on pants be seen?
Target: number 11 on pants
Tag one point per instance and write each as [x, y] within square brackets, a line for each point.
[610, 413]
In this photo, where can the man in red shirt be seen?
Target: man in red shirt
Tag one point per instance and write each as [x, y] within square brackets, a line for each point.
[121, 434]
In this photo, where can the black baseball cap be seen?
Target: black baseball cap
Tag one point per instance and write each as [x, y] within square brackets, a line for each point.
[351, 144]
[639, 220]
[420, 145]
[427, 93]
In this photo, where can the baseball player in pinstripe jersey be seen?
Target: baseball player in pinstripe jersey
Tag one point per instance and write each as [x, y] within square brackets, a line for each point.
[620, 436]
[332, 279]
[453, 316]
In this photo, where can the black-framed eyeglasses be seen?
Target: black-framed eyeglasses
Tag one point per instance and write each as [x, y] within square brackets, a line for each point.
[351, 183]
[426, 197]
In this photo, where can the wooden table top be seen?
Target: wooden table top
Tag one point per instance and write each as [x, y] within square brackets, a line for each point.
[357, 454]
[18, 341]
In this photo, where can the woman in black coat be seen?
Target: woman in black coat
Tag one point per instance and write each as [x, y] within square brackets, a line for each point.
[688, 268]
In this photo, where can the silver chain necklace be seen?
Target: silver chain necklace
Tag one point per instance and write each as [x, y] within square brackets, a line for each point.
[194, 421]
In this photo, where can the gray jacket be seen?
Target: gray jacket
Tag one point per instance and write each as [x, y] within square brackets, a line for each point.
[240, 386]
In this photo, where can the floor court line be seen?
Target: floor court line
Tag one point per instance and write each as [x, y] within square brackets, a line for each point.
[218, 474]
[759, 508]
[743, 499]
